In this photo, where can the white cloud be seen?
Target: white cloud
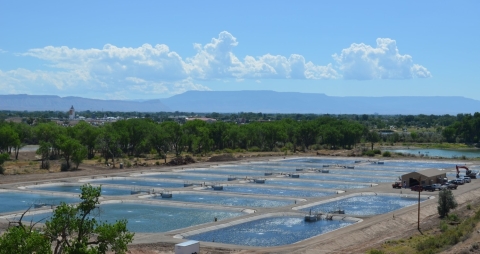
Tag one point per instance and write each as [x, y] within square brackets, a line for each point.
[155, 69]
[216, 60]
[363, 62]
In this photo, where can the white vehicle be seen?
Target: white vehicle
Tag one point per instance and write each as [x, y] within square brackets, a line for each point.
[437, 186]
[459, 181]
[467, 179]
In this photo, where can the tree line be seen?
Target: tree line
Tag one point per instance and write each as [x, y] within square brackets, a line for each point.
[136, 137]
[140, 136]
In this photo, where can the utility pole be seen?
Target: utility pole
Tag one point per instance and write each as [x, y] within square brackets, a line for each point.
[419, 190]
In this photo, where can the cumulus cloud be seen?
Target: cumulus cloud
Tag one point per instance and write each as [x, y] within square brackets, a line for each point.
[216, 60]
[155, 69]
[364, 62]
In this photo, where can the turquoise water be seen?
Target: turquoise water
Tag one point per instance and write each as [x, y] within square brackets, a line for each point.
[184, 176]
[347, 178]
[18, 201]
[277, 191]
[366, 205]
[273, 231]
[310, 184]
[76, 189]
[137, 182]
[227, 172]
[446, 153]
[414, 164]
[144, 218]
[228, 200]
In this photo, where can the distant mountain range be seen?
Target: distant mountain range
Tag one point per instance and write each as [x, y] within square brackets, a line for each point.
[253, 101]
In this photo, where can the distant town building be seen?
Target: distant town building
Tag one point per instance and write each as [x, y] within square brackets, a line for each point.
[71, 113]
[205, 119]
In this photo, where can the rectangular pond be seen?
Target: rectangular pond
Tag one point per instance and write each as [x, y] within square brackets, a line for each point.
[131, 181]
[185, 176]
[227, 172]
[21, 201]
[275, 191]
[366, 204]
[273, 231]
[227, 200]
[148, 218]
[347, 178]
[315, 184]
[106, 191]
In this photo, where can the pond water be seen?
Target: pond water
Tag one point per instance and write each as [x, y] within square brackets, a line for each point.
[315, 184]
[76, 189]
[245, 201]
[366, 204]
[413, 164]
[273, 231]
[184, 176]
[446, 153]
[145, 218]
[348, 178]
[227, 172]
[19, 201]
[137, 182]
[287, 192]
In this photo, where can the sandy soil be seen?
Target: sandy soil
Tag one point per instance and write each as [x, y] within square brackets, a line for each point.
[358, 238]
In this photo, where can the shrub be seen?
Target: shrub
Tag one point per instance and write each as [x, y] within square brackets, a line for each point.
[469, 207]
[377, 151]
[387, 154]
[157, 163]
[446, 201]
[254, 149]
[453, 217]
[369, 153]
[443, 226]
[376, 252]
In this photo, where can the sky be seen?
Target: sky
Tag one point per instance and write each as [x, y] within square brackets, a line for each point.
[139, 50]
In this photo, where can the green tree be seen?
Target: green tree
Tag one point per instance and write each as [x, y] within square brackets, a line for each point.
[446, 201]
[373, 137]
[79, 155]
[108, 142]
[23, 239]
[44, 151]
[3, 158]
[69, 147]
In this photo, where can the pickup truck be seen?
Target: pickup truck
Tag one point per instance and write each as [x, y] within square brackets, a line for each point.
[428, 188]
[417, 188]
[437, 186]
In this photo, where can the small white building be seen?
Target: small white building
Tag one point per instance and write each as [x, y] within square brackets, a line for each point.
[71, 113]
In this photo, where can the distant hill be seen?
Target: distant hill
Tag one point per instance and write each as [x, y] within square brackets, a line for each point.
[292, 102]
[48, 102]
[253, 101]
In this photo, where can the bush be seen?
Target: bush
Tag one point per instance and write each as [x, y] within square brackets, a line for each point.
[254, 149]
[387, 154]
[377, 151]
[376, 252]
[157, 163]
[369, 153]
[443, 226]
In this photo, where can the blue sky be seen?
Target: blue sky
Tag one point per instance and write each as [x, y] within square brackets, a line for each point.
[155, 49]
